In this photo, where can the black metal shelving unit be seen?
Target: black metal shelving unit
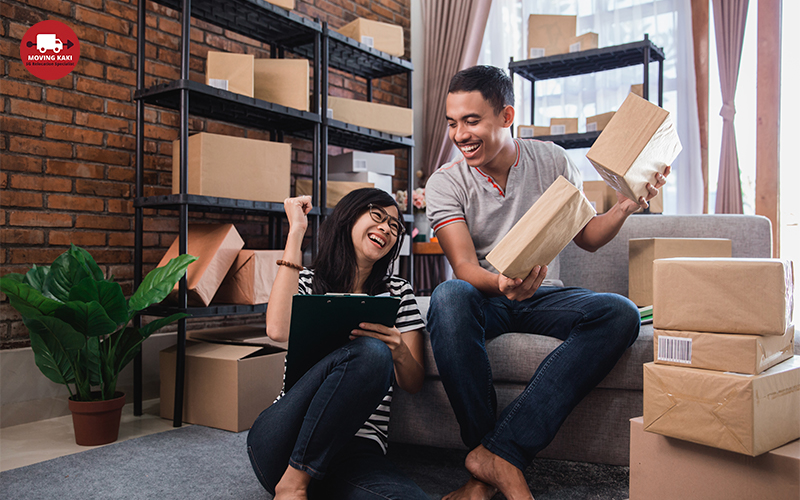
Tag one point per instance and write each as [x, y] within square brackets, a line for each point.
[642, 52]
[283, 31]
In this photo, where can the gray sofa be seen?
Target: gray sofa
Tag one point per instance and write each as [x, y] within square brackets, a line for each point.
[598, 429]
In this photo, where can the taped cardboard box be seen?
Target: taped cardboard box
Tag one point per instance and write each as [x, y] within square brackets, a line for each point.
[583, 42]
[638, 89]
[335, 192]
[383, 117]
[234, 167]
[545, 229]
[286, 4]
[748, 296]
[600, 195]
[643, 251]
[639, 141]
[361, 161]
[663, 468]
[216, 247]
[524, 131]
[550, 35]
[751, 354]
[598, 122]
[225, 386]
[560, 126]
[748, 414]
[249, 280]
[380, 181]
[380, 36]
[282, 81]
[231, 72]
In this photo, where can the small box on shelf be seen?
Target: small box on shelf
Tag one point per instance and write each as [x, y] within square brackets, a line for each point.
[380, 36]
[231, 72]
[585, 41]
[383, 117]
[526, 131]
[361, 161]
[597, 123]
[336, 189]
[601, 196]
[282, 81]
[549, 35]
[559, 126]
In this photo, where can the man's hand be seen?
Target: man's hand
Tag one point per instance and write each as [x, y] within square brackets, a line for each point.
[629, 206]
[517, 289]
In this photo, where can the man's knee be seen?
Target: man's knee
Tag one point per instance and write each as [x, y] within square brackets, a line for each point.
[623, 317]
[452, 296]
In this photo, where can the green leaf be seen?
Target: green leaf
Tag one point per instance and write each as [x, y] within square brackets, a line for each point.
[92, 360]
[53, 330]
[159, 283]
[28, 301]
[107, 294]
[36, 276]
[51, 360]
[88, 318]
[87, 261]
[17, 277]
[55, 346]
[66, 272]
[126, 343]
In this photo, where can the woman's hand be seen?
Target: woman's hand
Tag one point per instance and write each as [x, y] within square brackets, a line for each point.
[390, 336]
[297, 212]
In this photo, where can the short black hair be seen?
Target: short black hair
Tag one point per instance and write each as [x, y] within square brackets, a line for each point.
[492, 82]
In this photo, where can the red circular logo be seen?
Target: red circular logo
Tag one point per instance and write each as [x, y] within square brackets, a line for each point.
[50, 50]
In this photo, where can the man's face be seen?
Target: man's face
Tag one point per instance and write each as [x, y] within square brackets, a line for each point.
[475, 129]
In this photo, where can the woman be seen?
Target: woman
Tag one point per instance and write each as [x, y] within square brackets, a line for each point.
[326, 437]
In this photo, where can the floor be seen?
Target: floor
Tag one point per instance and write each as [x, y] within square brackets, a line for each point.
[35, 442]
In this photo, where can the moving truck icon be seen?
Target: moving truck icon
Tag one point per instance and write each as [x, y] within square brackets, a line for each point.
[48, 41]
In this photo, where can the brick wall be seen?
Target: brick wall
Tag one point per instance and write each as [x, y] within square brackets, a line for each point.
[67, 146]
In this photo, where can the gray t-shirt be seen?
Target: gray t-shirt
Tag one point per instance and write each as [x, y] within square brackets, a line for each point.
[457, 192]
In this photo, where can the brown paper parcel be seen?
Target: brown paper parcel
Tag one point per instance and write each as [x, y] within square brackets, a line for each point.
[600, 195]
[639, 141]
[545, 229]
[723, 352]
[249, 280]
[335, 192]
[235, 70]
[748, 414]
[282, 81]
[749, 296]
[216, 247]
[643, 251]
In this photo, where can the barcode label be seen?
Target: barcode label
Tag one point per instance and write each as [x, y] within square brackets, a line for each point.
[368, 40]
[591, 127]
[575, 47]
[675, 349]
[558, 129]
[535, 52]
[359, 165]
[218, 83]
[525, 132]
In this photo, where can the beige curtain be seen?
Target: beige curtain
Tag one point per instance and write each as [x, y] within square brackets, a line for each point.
[729, 22]
[453, 31]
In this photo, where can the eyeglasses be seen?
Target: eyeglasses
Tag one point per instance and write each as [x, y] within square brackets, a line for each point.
[380, 216]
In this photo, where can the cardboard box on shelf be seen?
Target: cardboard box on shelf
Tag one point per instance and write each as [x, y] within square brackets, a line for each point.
[286, 4]
[524, 131]
[249, 280]
[638, 89]
[226, 386]
[560, 126]
[231, 72]
[234, 167]
[639, 141]
[361, 161]
[598, 122]
[748, 414]
[380, 181]
[282, 81]
[336, 189]
[216, 247]
[749, 296]
[383, 117]
[585, 41]
[550, 35]
[643, 251]
[600, 195]
[380, 36]
[545, 229]
[664, 468]
[723, 352]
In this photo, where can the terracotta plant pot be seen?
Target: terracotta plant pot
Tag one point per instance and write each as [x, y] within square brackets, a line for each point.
[97, 422]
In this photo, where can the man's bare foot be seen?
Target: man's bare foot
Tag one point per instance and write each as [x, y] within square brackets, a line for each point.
[488, 468]
[472, 490]
[293, 485]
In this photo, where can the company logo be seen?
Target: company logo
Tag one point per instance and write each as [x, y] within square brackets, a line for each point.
[50, 50]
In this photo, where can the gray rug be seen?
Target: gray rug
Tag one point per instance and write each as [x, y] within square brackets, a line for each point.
[200, 462]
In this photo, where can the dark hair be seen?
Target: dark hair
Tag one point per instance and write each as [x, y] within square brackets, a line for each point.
[335, 263]
[494, 85]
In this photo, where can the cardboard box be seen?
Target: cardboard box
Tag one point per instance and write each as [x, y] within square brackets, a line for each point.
[583, 42]
[600, 195]
[638, 89]
[336, 189]
[550, 35]
[723, 352]
[598, 122]
[383, 117]
[657, 203]
[639, 141]
[225, 386]
[524, 131]
[249, 280]
[560, 126]
[749, 296]
[663, 468]
[380, 181]
[234, 167]
[545, 229]
[286, 4]
[361, 161]
[250, 334]
[231, 72]
[643, 251]
[748, 414]
[216, 247]
[282, 81]
[381, 36]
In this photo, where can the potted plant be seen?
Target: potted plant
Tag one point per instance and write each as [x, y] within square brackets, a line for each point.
[79, 329]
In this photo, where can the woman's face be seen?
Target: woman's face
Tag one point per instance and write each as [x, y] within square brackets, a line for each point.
[372, 240]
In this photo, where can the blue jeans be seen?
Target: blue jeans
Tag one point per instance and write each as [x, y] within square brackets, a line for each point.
[312, 428]
[596, 329]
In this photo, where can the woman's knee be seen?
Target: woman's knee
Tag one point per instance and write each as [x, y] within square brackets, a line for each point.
[374, 356]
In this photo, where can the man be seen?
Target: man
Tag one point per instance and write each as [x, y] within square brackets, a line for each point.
[472, 203]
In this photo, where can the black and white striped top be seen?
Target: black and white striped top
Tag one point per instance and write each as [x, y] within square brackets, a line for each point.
[408, 318]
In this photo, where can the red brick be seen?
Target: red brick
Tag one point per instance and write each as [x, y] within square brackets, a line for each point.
[153, 256]
[74, 100]
[81, 203]
[74, 169]
[29, 256]
[119, 75]
[121, 10]
[41, 111]
[121, 141]
[162, 225]
[16, 71]
[21, 236]
[169, 26]
[88, 34]
[105, 55]
[102, 122]
[73, 134]
[3, 180]
[162, 133]
[94, 4]
[9, 313]
[39, 219]
[80, 238]
[39, 147]
[126, 174]
[162, 39]
[120, 206]
[121, 239]
[102, 188]
[104, 89]
[20, 89]
[121, 109]
[224, 129]
[122, 272]
[103, 222]
[123, 43]
[21, 199]
[102, 20]
[90, 68]
[12, 125]
[57, 6]
[41, 183]
[164, 71]
[103, 155]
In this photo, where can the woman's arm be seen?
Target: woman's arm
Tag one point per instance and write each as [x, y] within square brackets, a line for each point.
[406, 353]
